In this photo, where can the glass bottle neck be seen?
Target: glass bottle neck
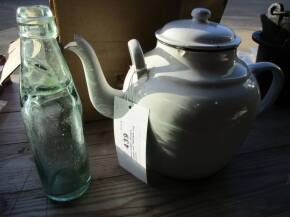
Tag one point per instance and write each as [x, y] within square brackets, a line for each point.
[43, 66]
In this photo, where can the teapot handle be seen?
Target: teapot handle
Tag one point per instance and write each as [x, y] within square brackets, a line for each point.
[276, 86]
[137, 57]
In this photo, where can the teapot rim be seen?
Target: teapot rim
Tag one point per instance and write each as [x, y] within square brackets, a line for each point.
[202, 48]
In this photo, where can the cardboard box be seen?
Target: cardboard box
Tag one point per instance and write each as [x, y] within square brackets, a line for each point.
[109, 24]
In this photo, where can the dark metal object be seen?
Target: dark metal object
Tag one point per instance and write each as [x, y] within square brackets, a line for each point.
[274, 46]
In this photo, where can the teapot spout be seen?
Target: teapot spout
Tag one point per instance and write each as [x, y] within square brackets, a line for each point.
[100, 92]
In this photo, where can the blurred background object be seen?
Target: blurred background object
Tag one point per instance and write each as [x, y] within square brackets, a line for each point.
[274, 46]
[8, 11]
[10, 63]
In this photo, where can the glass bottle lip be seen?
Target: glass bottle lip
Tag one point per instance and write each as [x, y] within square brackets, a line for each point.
[34, 15]
[36, 21]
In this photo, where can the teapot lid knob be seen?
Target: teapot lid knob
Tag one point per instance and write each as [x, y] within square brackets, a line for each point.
[201, 15]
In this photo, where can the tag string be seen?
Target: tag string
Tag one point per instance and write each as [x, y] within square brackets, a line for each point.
[130, 93]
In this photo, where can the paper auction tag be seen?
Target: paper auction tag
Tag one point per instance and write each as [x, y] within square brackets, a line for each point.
[12, 62]
[130, 131]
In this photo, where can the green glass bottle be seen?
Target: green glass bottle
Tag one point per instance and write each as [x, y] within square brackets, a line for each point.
[50, 107]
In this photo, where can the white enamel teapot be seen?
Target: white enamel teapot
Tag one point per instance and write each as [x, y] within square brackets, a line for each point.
[202, 98]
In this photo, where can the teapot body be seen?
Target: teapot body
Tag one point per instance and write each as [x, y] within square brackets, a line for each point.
[201, 107]
[202, 98]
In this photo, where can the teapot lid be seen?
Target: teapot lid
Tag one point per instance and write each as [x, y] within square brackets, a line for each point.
[198, 33]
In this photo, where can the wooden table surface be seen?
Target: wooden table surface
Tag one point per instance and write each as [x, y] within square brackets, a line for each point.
[255, 183]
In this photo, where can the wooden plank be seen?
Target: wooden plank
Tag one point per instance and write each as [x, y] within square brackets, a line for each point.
[254, 184]
[16, 161]
[11, 120]
[12, 129]
[11, 136]
[271, 129]
[21, 175]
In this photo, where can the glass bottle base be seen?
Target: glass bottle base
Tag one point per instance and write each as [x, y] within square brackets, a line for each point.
[71, 196]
